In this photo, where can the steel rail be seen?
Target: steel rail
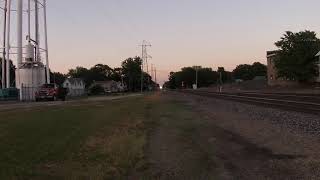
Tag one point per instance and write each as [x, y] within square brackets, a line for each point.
[292, 105]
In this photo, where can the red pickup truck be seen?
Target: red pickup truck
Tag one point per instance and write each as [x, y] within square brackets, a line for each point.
[51, 92]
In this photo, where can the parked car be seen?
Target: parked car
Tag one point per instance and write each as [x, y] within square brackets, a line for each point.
[51, 92]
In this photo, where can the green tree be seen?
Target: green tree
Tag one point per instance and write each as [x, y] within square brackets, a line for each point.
[131, 68]
[12, 73]
[57, 78]
[171, 84]
[187, 77]
[117, 74]
[244, 72]
[226, 76]
[81, 72]
[206, 77]
[249, 72]
[100, 72]
[297, 55]
[259, 69]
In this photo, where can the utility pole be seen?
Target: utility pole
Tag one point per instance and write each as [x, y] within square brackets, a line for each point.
[220, 87]
[152, 70]
[197, 69]
[197, 77]
[144, 59]
[155, 75]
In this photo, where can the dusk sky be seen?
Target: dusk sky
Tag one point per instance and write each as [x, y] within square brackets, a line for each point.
[210, 33]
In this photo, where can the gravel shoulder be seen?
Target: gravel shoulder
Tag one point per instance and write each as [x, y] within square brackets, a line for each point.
[204, 138]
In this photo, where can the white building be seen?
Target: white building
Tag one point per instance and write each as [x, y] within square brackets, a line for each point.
[111, 86]
[75, 86]
[318, 56]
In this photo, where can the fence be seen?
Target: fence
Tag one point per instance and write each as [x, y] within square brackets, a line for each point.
[9, 94]
[27, 93]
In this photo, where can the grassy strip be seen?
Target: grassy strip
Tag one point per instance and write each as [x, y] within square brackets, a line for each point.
[98, 140]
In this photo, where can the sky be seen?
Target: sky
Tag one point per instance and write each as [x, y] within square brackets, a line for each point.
[210, 33]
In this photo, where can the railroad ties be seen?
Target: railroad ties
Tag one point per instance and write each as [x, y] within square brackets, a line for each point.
[306, 103]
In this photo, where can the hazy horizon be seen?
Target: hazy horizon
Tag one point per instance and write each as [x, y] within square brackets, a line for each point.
[209, 33]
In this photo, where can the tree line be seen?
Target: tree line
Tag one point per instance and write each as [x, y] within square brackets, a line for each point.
[129, 73]
[295, 60]
[207, 76]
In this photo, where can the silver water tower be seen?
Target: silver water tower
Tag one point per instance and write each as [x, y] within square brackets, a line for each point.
[25, 40]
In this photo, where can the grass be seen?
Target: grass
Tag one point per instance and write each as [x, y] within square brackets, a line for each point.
[97, 140]
[102, 140]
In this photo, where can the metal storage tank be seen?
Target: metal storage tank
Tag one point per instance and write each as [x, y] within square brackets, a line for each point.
[29, 79]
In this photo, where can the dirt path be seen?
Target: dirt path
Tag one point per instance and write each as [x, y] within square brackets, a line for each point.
[190, 142]
[173, 151]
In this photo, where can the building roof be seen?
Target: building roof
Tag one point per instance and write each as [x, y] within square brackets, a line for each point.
[74, 80]
[272, 53]
[318, 54]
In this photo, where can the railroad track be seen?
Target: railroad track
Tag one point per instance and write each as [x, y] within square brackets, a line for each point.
[293, 102]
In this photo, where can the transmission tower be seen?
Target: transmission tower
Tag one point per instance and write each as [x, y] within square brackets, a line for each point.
[144, 56]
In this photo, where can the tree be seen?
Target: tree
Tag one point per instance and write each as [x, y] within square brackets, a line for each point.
[259, 69]
[187, 77]
[100, 72]
[81, 72]
[12, 73]
[244, 72]
[249, 72]
[171, 84]
[131, 68]
[297, 55]
[57, 78]
[130, 73]
[206, 77]
[226, 76]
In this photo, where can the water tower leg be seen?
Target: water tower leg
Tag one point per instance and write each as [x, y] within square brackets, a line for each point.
[46, 40]
[19, 39]
[3, 67]
[8, 45]
[19, 32]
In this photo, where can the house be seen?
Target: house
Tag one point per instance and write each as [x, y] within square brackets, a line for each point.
[318, 56]
[110, 86]
[273, 79]
[75, 86]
